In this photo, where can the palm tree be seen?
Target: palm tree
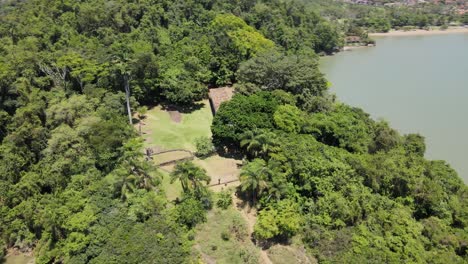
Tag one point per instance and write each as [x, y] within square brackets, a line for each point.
[276, 189]
[268, 143]
[133, 171]
[146, 176]
[126, 183]
[180, 173]
[248, 141]
[128, 186]
[191, 177]
[259, 142]
[253, 178]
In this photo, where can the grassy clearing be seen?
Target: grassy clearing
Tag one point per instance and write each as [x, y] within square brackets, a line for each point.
[288, 254]
[224, 239]
[18, 259]
[219, 168]
[160, 130]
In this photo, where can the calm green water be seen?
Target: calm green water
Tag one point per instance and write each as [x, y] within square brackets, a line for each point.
[417, 83]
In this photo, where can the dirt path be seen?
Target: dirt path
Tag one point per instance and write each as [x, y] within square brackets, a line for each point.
[264, 257]
[250, 216]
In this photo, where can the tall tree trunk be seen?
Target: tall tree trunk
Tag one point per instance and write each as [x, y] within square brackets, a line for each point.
[127, 98]
[254, 197]
[80, 81]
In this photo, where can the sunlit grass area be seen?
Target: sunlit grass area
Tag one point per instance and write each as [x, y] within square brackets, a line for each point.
[169, 156]
[162, 131]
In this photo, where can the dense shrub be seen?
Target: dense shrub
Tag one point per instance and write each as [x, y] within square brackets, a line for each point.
[346, 127]
[243, 113]
[225, 235]
[224, 200]
[190, 212]
[204, 146]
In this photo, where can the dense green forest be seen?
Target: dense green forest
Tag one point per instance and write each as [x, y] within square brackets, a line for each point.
[74, 184]
[352, 188]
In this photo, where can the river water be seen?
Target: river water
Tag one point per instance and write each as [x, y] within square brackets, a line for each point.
[417, 83]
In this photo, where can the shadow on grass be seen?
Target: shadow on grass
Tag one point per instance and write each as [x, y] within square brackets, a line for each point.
[230, 152]
[244, 199]
[185, 109]
[282, 240]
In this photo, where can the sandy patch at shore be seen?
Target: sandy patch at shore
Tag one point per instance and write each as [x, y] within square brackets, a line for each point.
[420, 32]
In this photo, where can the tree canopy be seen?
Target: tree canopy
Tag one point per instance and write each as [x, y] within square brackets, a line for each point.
[76, 188]
[352, 188]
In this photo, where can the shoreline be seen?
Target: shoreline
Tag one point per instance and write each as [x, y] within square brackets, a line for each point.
[414, 32]
[420, 32]
[351, 48]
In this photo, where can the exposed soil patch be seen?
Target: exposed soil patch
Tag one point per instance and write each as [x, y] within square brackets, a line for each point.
[176, 116]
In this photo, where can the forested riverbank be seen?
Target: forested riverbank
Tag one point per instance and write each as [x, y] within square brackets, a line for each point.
[75, 186]
[420, 66]
[421, 32]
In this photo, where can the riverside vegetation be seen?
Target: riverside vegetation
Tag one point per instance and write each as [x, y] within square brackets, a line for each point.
[75, 187]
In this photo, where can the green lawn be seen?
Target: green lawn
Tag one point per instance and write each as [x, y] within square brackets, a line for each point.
[161, 131]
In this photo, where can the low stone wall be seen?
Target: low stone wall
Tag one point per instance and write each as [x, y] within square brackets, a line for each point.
[174, 161]
[150, 152]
